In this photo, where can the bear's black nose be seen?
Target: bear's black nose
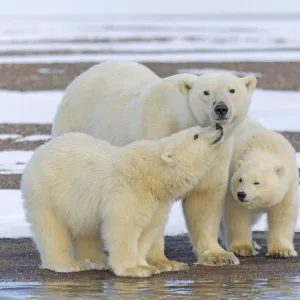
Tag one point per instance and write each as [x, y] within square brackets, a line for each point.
[241, 196]
[221, 109]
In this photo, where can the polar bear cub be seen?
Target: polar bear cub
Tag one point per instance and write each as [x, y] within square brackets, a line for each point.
[264, 179]
[77, 189]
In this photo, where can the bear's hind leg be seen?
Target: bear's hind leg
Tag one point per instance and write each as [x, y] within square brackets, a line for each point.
[53, 242]
[151, 243]
[282, 219]
[90, 247]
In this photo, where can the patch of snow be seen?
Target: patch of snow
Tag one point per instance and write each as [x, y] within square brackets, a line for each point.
[9, 136]
[13, 162]
[34, 138]
[298, 159]
[175, 45]
[176, 223]
[277, 110]
[245, 56]
[12, 217]
[14, 225]
[36, 107]
[21, 138]
[135, 7]
[50, 71]
[210, 70]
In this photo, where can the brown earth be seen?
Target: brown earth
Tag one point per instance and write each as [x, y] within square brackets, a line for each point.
[19, 261]
[24, 77]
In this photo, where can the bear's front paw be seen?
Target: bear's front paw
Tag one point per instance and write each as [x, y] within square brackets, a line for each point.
[244, 250]
[169, 265]
[178, 266]
[218, 259]
[67, 266]
[282, 252]
[98, 265]
[139, 271]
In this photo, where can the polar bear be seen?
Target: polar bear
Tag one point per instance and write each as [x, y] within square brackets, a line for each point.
[263, 179]
[75, 184]
[122, 102]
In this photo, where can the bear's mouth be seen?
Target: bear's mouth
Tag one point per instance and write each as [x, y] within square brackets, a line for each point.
[220, 128]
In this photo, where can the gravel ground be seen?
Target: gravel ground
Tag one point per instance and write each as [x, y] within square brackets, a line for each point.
[25, 77]
[19, 261]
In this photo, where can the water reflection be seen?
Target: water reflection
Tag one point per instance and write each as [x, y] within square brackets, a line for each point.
[157, 289]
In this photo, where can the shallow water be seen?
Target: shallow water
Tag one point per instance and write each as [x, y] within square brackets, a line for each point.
[159, 289]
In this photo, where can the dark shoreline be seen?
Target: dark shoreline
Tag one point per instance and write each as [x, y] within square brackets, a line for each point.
[19, 261]
[275, 75]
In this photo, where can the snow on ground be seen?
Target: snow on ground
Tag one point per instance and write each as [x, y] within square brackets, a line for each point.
[137, 7]
[14, 225]
[50, 71]
[13, 162]
[29, 138]
[12, 218]
[29, 107]
[9, 136]
[242, 56]
[33, 138]
[40, 107]
[178, 44]
[178, 38]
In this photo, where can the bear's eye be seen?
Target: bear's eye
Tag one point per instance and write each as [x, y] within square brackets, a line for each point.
[232, 91]
[196, 136]
[206, 93]
[256, 183]
[240, 180]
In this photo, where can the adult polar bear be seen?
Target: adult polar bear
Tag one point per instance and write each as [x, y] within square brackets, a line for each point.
[122, 102]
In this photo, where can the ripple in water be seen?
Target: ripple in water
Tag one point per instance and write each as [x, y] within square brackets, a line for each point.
[288, 288]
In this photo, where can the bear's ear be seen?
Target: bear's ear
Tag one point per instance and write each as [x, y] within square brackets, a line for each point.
[250, 82]
[168, 158]
[279, 170]
[238, 164]
[185, 86]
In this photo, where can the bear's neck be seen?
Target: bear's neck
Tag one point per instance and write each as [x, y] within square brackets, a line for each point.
[143, 167]
[173, 105]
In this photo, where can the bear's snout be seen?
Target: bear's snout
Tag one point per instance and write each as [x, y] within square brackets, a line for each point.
[221, 110]
[241, 196]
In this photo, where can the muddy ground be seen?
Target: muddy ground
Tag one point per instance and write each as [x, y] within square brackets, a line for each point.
[19, 261]
[24, 77]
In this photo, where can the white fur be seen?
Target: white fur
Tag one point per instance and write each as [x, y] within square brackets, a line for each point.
[77, 189]
[265, 163]
[124, 101]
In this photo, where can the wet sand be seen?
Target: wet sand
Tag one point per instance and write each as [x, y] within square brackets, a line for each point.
[19, 261]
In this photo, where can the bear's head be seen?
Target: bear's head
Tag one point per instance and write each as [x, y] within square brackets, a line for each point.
[191, 149]
[218, 97]
[258, 184]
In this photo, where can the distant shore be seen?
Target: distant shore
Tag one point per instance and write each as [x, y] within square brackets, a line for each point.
[33, 77]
